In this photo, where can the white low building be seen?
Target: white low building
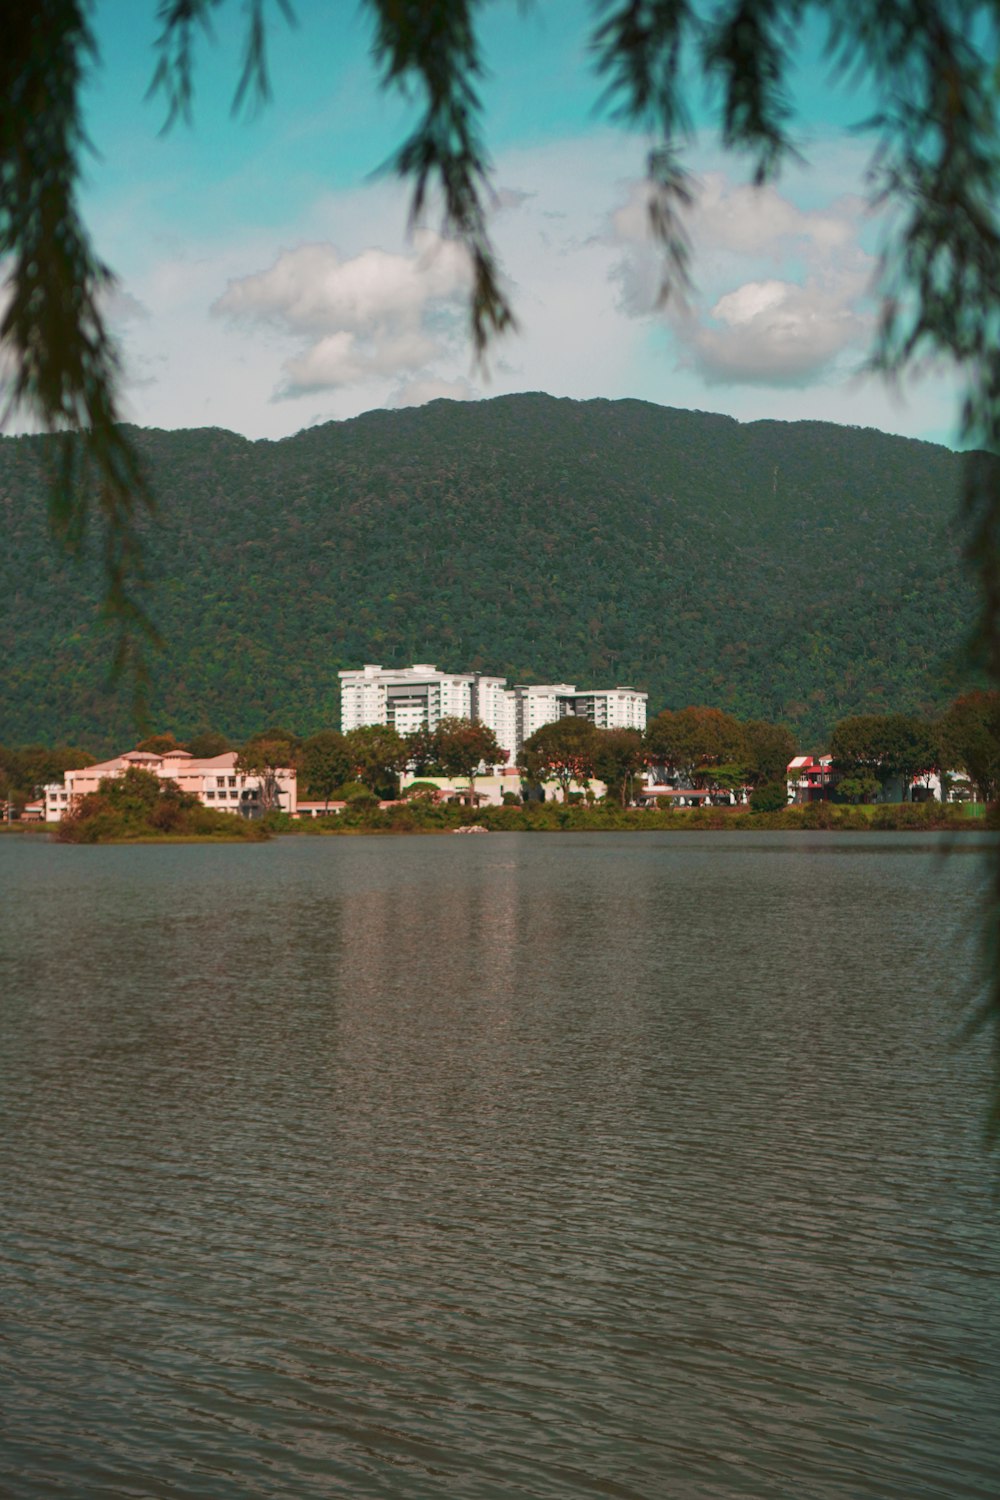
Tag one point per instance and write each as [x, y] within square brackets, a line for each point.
[216, 782]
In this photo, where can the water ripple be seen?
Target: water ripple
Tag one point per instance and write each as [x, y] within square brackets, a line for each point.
[581, 1166]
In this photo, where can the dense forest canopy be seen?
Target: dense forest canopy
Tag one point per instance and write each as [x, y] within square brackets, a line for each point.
[794, 572]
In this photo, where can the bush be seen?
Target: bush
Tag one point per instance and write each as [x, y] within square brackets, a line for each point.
[141, 806]
[423, 789]
[359, 797]
[857, 789]
[771, 797]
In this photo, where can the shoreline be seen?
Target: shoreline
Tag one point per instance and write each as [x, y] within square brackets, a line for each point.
[818, 817]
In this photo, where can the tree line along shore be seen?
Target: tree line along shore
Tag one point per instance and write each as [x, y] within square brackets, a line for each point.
[741, 763]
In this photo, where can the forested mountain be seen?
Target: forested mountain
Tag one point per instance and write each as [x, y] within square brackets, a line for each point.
[798, 571]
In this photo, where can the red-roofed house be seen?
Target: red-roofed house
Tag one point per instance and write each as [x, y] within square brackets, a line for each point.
[810, 778]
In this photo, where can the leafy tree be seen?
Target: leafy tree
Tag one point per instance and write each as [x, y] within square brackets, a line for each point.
[465, 744]
[356, 794]
[378, 755]
[693, 740]
[24, 771]
[325, 762]
[885, 746]
[618, 758]
[139, 804]
[420, 789]
[562, 751]
[723, 778]
[858, 744]
[860, 788]
[970, 740]
[264, 756]
[913, 747]
[422, 748]
[772, 796]
[769, 748]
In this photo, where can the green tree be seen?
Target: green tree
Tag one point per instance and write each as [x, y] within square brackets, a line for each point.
[885, 746]
[134, 804]
[859, 788]
[857, 744]
[970, 741]
[422, 749]
[618, 758]
[913, 748]
[772, 796]
[378, 755]
[465, 744]
[325, 762]
[30, 767]
[562, 751]
[769, 748]
[264, 756]
[691, 741]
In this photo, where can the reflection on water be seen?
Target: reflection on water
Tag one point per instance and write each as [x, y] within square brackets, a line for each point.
[557, 1166]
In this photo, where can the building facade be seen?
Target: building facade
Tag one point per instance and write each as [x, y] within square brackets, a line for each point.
[420, 696]
[215, 782]
[406, 698]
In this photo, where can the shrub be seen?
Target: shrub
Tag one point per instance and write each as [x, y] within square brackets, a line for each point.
[771, 797]
[359, 797]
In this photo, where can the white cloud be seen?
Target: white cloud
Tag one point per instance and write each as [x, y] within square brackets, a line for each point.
[120, 307]
[506, 199]
[376, 314]
[753, 327]
[775, 332]
[313, 317]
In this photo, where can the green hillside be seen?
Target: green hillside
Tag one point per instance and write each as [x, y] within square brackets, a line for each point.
[797, 571]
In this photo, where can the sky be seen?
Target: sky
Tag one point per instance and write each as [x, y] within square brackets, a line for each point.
[269, 280]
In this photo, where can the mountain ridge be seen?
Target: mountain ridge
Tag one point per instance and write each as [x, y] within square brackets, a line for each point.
[787, 570]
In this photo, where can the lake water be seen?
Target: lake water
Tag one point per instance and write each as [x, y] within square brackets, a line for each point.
[548, 1166]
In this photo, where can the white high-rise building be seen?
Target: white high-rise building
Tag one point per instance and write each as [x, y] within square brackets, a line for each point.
[493, 705]
[608, 708]
[407, 698]
[536, 704]
[420, 696]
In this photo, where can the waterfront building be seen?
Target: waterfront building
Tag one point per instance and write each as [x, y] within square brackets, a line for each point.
[215, 782]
